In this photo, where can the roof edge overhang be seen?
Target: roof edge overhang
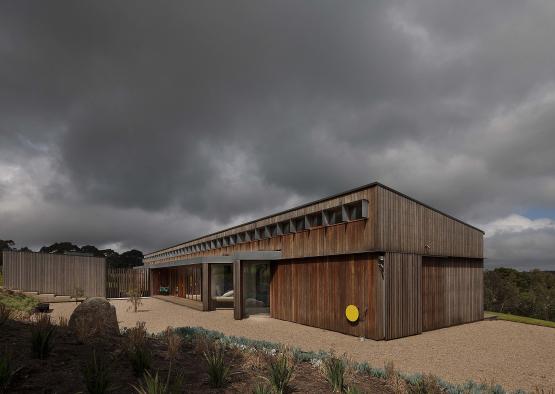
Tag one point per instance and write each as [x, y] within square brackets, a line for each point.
[244, 256]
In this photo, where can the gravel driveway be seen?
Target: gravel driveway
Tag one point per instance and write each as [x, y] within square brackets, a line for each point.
[511, 354]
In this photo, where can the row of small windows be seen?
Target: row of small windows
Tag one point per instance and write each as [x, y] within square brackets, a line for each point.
[340, 214]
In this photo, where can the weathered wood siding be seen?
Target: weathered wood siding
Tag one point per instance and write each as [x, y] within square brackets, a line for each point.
[119, 281]
[452, 292]
[407, 226]
[54, 273]
[403, 309]
[316, 291]
[348, 237]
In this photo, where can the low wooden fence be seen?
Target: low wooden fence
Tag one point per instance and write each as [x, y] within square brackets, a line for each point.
[54, 273]
[121, 281]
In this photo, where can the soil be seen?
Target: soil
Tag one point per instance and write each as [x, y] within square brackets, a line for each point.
[62, 372]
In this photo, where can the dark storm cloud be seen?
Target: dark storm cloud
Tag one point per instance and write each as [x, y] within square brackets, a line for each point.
[191, 116]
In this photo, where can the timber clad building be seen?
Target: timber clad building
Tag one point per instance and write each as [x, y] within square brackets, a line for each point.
[406, 267]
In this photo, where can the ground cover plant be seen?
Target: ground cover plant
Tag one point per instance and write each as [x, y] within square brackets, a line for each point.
[17, 302]
[178, 363]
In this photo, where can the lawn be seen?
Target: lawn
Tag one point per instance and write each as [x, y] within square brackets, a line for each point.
[520, 319]
[18, 302]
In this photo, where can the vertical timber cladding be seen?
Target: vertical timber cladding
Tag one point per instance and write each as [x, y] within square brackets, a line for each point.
[452, 291]
[315, 292]
[54, 273]
[407, 226]
[403, 282]
[237, 290]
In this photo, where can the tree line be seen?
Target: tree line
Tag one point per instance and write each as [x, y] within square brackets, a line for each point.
[130, 258]
[527, 293]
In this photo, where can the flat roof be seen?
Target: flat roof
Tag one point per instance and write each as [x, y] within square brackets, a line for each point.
[356, 189]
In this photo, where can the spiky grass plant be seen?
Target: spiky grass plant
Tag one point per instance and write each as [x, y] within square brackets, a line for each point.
[151, 385]
[262, 389]
[42, 336]
[352, 390]
[137, 350]
[218, 370]
[334, 371]
[97, 376]
[173, 342]
[6, 313]
[281, 373]
[7, 370]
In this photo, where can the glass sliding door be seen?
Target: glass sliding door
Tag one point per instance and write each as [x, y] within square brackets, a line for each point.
[256, 287]
[221, 285]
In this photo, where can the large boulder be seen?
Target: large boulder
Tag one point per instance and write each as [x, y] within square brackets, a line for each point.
[94, 317]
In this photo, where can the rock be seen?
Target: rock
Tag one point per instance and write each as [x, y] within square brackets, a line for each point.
[94, 317]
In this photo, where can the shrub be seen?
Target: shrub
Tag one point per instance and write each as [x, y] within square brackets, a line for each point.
[137, 349]
[218, 371]
[352, 390]
[97, 376]
[42, 334]
[6, 313]
[137, 336]
[134, 295]
[151, 385]
[281, 373]
[7, 371]
[334, 371]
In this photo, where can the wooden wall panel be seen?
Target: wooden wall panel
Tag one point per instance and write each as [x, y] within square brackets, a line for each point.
[452, 292]
[407, 226]
[119, 281]
[403, 314]
[237, 290]
[355, 236]
[316, 291]
[54, 273]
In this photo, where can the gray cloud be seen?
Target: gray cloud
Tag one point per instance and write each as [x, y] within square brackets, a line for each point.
[143, 125]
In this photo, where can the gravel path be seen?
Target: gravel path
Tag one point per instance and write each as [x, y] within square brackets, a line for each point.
[511, 354]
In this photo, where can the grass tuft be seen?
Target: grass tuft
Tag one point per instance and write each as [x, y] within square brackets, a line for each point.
[334, 371]
[151, 385]
[262, 389]
[218, 371]
[7, 370]
[281, 373]
[6, 314]
[137, 350]
[97, 375]
[42, 336]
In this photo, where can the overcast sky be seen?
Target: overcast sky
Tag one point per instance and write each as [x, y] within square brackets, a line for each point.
[144, 124]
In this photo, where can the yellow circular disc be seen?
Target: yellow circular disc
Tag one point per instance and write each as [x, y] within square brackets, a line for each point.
[352, 313]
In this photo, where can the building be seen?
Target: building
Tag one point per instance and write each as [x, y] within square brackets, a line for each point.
[402, 266]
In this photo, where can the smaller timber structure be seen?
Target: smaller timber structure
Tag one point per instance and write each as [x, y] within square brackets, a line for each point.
[69, 275]
[398, 266]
